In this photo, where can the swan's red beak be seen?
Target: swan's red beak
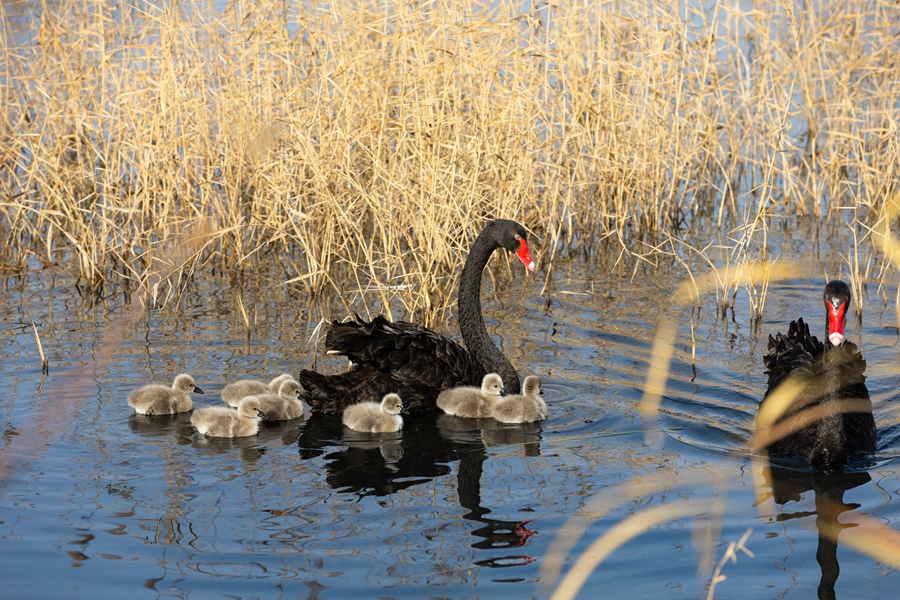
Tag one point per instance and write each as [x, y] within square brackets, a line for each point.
[836, 316]
[525, 255]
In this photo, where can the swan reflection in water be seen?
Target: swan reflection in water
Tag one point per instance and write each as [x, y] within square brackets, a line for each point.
[426, 447]
[788, 485]
[481, 434]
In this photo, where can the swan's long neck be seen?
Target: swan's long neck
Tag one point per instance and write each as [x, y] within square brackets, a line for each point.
[471, 323]
[829, 447]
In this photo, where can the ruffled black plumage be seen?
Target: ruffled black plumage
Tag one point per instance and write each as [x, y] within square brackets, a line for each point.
[389, 357]
[831, 374]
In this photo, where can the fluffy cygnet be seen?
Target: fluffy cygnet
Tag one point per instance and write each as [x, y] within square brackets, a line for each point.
[157, 399]
[374, 417]
[525, 408]
[234, 392]
[218, 421]
[472, 402]
[283, 406]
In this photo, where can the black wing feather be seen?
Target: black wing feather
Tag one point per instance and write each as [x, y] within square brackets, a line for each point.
[389, 357]
[799, 353]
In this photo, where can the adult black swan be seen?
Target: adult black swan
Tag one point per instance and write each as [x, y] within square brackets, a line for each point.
[412, 360]
[833, 384]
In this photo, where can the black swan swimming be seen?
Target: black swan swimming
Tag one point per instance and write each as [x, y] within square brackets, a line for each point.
[834, 373]
[412, 360]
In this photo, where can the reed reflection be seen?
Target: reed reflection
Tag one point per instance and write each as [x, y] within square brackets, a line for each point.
[788, 485]
[382, 464]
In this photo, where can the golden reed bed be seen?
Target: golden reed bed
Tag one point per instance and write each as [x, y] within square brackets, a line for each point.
[367, 143]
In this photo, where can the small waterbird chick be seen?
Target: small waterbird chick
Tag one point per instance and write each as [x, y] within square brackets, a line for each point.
[236, 391]
[472, 402]
[157, 399]
[374, 417]
[283, 406]
[219, 421]
[527, 407]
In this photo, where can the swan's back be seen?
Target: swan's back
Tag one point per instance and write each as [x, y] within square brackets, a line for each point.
[375, 417]
[800, 354]
[791, 353]
[472, 402]
[219, 421]
[388, 357]
[283, 406]
[236, 391]
[527, 407]
[157, 399]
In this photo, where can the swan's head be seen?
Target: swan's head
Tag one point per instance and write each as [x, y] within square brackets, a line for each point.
[393, 405]
[251, 409]
[837, 301]
[289, 389]
[514, 238]
[492, 385]
[532, 387]
[185, 383]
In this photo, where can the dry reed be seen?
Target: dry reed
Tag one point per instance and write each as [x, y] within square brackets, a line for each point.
[45, 364]
[362, 146]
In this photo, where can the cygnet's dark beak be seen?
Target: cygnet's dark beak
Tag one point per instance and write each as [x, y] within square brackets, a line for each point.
[403, 410]
[198, 390]
[541, 392]
[502, 391]
[262, 415]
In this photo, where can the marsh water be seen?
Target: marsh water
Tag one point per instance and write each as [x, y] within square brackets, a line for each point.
[99, 502]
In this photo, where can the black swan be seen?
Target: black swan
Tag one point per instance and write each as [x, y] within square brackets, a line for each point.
[834, 373]
[412, 360]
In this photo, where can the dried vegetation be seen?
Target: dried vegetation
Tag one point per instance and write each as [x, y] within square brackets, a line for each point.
[361, 147]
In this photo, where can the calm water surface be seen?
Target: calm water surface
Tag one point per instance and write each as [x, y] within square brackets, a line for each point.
[98, 502]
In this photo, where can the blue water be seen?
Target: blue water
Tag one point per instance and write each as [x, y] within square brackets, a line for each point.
[98, 502]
